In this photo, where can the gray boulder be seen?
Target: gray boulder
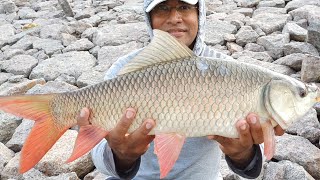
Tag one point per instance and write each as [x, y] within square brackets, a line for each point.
[90, 78]
[270, 22]
[310, 69]
[296, 32]
[307, 126]
[53, 163]
[54, 31]
[6, 31]
[79, 45]
[107, 55]
[272, 3]
[20, 135]
[71, 63]
[298, 150]
[215, 31]
[7, 7]
[314, 30]
[273, 10]
[294, 61]
[261, 56]
[285, 170]
[274, 67]
[300, 47]
[295, 4]
[4, 77]
[50, 46]
[19, 65]
[8, 124]
[5, 156]
[114, 35]
[274, 44]
[246, 35]
[254, 47]
[18, 85]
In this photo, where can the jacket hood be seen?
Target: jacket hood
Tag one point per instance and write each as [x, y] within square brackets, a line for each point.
[199, 46]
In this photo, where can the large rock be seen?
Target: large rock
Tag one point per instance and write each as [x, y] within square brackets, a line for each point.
[274, 67]
[299, 150]
[6, 31]
[215, 31]
[114, 35]
[273, 10]
[5, 156]
[270, 22]
[296, 32]
[90, 78]
[246, 35]
[300, 47]
[53, 163]
[261, 56]
[79, 45]
[300, 3]
[7, 7]
[20, 135]
[274, 44]
[54, 31]
[71, 63]
[294, 61]
[18, 85]
[109, 54]
[314, 30]
[310, 69]
[49, 46]
[272, 3]
[307, 126]
[19, 65]
[285, 170]
[8, 124]
[25, 43]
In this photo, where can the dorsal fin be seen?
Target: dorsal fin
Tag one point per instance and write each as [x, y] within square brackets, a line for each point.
[162, 48]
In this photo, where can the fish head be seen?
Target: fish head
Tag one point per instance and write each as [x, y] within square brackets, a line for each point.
[288, 99]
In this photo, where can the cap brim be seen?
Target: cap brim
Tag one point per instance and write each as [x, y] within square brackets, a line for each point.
[156, 2]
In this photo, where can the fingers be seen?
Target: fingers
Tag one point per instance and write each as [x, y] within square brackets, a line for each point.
[245, 136]
[255, 128]
[83, 117]
[124, 124]
[141, 136]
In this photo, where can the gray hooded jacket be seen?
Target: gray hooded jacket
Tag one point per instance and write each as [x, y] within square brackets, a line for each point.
[199, 157]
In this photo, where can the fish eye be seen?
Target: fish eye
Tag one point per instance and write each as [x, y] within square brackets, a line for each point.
[303, 93]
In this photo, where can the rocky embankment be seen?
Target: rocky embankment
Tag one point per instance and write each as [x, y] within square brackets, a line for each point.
[44, 50]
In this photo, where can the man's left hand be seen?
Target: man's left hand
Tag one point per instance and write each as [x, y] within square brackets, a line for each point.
[240, 150]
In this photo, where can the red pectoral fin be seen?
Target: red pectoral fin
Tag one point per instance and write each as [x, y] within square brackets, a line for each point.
[88, 137]
[269, 139]
[167, 148]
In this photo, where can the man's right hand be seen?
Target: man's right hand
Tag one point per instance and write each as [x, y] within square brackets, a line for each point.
[127, 148]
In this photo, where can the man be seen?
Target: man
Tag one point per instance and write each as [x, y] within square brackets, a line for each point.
[127, 156]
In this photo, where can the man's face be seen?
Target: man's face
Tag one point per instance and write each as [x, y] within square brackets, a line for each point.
[183, 26]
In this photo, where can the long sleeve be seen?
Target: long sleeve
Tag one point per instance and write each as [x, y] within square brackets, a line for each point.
[253, 170]
[102, 157]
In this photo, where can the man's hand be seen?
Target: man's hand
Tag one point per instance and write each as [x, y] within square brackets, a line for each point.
[127, 148]
[240, 150]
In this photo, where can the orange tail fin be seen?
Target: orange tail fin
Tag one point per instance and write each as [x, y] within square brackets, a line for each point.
[45, 131]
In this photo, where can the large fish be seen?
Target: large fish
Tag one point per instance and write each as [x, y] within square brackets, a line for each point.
[188, 96]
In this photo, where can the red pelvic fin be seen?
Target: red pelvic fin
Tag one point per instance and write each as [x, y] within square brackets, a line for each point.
[167, 148]
[88, 137]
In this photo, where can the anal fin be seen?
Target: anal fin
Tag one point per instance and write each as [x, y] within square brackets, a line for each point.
[87, 138]
[167, 148]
